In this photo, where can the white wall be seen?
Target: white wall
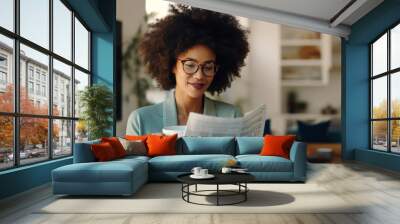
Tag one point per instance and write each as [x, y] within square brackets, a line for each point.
[265, 68]
[130, 13]
[238, 93]
[260, 82]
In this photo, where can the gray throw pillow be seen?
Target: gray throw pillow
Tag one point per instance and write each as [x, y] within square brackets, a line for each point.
[137, 148]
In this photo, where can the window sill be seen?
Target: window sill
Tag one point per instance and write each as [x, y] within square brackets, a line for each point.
[26, 167]
[381, 159]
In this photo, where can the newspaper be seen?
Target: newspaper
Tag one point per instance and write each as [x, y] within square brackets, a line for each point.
[251, 124]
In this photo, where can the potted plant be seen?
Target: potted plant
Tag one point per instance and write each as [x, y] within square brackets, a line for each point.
[96, 103]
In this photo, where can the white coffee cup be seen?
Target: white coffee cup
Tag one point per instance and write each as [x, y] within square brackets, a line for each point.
[196, 170]
[203, 172]
[226, 170]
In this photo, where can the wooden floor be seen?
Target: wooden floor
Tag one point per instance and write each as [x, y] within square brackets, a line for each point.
[378, 188]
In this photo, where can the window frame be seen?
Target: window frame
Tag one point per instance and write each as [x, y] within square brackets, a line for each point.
[3, 71]
[16, 115]
[388, 74]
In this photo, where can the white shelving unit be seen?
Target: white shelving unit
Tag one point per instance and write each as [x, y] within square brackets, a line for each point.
[305, 57]
[305, 62]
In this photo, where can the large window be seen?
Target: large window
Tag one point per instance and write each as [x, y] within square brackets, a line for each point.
[385, 91]
[44, 64]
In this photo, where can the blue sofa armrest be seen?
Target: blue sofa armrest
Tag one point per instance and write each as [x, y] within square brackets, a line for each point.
[83, 152]
[298, 155]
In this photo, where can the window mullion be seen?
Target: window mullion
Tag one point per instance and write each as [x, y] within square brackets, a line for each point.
[16, 69]
[389, 106]
[50, 81]
[371, 137]
[73, 82]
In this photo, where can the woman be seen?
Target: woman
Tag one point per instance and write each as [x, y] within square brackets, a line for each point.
[192, 50]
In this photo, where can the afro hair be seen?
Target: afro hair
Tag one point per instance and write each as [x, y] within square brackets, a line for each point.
[185, 27]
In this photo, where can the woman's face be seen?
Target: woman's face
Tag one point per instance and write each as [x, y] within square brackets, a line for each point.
[188, 80]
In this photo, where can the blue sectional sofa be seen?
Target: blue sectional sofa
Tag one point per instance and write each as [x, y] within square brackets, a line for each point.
[125, 176]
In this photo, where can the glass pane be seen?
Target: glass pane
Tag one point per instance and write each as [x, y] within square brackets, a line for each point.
[81, 131]
[81, 45]
[379, 98]
[395, 47]
[35, 21]
[62, 29]
[62, 138]
[6, 74]
[7, 14]
[379, 135]
[395, 129]
[395, 94]
[34, 72]
[6, 142]
[33, 139]
[379, 55]
[62, 89]
[81, 81]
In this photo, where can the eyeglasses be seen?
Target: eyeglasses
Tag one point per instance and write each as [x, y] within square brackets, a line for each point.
[190, 67]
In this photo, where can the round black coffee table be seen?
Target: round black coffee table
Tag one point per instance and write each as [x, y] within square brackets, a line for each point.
[238, 179]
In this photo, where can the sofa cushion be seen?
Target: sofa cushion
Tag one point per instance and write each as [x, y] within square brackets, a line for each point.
[161, 145]
[103, 152]
[131, 158]
[83, 152]
[116, 145]
[249, 145]
[112, 171]
[207, 145]
[134, 147]
[257, 163]
[277, 145]
[185, 163]
[313, 132]
[136, 137]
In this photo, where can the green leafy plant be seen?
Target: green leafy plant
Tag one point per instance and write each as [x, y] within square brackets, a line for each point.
[96, 102]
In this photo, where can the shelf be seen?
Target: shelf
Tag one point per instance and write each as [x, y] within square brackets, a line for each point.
[305, 58]
[301, 62]
[301, 42]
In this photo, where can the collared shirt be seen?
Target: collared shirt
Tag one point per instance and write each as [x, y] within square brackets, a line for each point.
[153, 118]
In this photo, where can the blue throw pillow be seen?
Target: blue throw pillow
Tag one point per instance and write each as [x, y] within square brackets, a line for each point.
[207, 145]
[267, 127]
[249, 145]
[313, 132]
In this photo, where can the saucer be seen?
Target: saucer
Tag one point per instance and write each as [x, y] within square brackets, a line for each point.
[208, 176]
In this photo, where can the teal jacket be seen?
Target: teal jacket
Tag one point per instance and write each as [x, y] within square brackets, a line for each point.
[152, 119]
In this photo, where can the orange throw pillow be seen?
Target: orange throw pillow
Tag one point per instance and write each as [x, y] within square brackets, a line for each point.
[116, 145]
[103, 151]
[136, 137]
[161, 145]
[277, 145]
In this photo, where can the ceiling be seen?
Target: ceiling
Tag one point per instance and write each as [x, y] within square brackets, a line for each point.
[321, 9]
[333, 17]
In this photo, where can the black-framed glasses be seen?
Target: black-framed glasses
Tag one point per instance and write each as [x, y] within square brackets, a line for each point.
[190, 67]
